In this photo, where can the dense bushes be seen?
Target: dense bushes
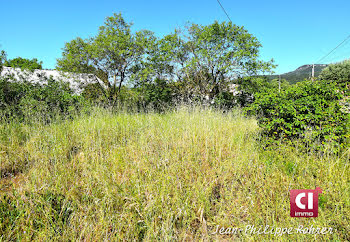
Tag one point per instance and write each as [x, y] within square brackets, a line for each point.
[308, 111]
[24, 64]
[313, 112]
[26, 101]
[339, 72]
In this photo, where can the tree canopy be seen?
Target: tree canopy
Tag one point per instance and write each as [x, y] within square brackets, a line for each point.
[219, 54]
[111, 54]
[339, 72]
[205, 58]
[24, 64]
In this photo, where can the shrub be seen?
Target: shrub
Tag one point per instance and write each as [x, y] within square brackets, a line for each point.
[26, 101]
[24, 64]
[250, 86]
[224, 100]
[339, 72]
[158, 94]
[309, 111]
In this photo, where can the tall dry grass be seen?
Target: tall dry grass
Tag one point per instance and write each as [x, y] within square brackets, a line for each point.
[171, 176]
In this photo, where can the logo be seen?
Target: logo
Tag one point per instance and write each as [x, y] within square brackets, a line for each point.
[304, 203]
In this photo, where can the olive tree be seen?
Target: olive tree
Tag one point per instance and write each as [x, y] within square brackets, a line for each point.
[112, 54]
[220, 53]
[165, 57]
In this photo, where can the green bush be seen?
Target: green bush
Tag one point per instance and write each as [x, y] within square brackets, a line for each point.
[250, 86]
[309, 111]
[158, 95]
[24, 64]
[339, 72]
[27, 102]
[224, 100]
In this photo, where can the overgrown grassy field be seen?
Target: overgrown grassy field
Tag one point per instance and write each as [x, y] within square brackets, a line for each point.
[172, 176]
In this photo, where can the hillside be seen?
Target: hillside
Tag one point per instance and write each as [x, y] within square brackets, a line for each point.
[300, 73]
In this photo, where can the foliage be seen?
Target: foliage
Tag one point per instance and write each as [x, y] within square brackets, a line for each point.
[171, 176]
[111, 54]
[159, 94]
[205, 59]
[24, 64]
[94, 93]
[249, 87]
[220, 53]
[224, 100]
[2, 59]
[339, 72]
[309, 111]
[33, 102]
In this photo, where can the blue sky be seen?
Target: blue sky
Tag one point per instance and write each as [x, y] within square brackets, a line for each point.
[293, 33]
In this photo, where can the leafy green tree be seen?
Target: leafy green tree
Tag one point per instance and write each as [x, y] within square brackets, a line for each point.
[112, 54]
[205, 59]
[76, 58]
[339, 72]
[219, 54]
[24, 64]
[164, 59]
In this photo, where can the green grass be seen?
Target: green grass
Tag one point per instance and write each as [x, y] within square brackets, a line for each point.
[171, 176]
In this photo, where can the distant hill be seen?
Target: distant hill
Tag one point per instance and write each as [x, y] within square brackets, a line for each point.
[300, 74]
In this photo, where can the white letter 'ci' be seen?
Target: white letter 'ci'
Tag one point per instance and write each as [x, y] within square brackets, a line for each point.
[309, 202]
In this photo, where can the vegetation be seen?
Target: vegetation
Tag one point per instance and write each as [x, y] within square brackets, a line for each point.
[24, 64]
[188, 137]
[309, 111]
[155, 176]
[221, 53]
[111, 55]
[2, 59]
[205, 58]
[339, 72]
[31, 103]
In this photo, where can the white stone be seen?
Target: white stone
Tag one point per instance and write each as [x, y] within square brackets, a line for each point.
[76, 81]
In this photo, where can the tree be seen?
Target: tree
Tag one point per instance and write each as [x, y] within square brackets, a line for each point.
[219, 54]
[158, 62]
[2, 59]
[24, 64]
[112, 54]
[339, 72]
[161, 67]
[76, 57]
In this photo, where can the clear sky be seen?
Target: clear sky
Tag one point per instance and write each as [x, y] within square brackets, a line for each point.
[293, 33]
